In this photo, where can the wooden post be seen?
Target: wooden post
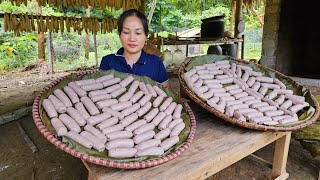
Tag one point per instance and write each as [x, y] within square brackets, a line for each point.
[242, 48]
[87, 44]
[229, 32]
[95, 49]
[238, 17]
[50, 54]
[41, 50]
[237, 20]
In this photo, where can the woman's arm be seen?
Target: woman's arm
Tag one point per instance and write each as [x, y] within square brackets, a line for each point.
[162, 74]
[167, 84]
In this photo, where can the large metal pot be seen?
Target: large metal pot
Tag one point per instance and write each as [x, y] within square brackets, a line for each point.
[215, 49]
[212, 28]
[229, 49]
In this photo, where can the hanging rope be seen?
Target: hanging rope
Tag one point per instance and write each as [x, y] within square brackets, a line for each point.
[27, 23]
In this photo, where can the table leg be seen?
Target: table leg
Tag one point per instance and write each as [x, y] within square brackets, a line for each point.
[90, 176]
[280, 158]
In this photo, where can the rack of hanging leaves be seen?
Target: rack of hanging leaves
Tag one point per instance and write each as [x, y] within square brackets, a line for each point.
[27, 23]
[125, 4]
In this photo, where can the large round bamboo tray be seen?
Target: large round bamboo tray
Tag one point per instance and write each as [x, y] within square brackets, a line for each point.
[245, 124]
[102, 161]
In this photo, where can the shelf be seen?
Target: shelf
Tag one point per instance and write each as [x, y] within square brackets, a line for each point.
[200, 41]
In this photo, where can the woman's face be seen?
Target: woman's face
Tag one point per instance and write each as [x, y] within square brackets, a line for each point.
[132, 35]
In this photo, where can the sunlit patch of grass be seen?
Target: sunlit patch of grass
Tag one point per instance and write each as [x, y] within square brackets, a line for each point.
[252, 51]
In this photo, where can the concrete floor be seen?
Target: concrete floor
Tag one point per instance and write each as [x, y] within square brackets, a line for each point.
[18, 162]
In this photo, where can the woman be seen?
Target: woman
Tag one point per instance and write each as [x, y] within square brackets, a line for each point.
[133, 32]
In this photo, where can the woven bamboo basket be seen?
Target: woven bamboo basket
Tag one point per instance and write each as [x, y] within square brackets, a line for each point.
[185, 90]
[51, 137]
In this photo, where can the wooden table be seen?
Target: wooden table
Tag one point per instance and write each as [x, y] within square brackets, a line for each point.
[217, 145]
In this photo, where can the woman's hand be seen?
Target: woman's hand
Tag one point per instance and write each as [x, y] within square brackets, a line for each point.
[167, 84]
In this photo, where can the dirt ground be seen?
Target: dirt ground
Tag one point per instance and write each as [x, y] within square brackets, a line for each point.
[17, 161]
[17, 88]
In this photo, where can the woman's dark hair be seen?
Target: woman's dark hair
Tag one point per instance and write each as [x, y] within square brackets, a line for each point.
[138, 14]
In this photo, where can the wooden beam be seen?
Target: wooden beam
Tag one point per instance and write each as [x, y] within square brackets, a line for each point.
[238, 17]
[27, 138]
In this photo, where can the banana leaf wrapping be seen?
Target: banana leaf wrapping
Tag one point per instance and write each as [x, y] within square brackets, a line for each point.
[306, 116]
[309, 137]
[101, 158]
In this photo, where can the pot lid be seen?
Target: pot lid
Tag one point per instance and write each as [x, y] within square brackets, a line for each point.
[214, 18]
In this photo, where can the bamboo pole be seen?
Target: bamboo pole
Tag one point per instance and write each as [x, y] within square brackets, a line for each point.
[154, 3]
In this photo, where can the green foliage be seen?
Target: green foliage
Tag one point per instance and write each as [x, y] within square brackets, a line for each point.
[18, 51]
[251, 22]
[172, 16]
[253, 50]
[193, 20]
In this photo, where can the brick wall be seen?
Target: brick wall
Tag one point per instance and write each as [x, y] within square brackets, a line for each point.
[270, 33]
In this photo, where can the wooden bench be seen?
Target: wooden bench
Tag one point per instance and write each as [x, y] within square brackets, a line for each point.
[217, 145]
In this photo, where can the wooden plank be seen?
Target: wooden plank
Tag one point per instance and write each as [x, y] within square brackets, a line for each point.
[267, 163]
[280, 156]
[27, 138]
[217, 145]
